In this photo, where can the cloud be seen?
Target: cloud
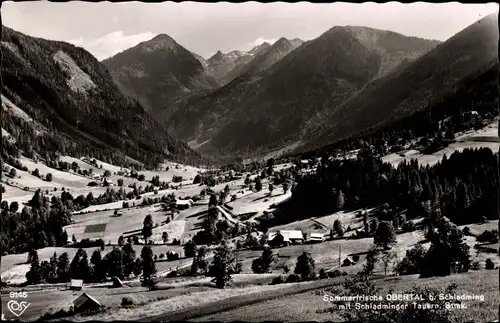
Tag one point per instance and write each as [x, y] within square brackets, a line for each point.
[260, 41]
[112, 43]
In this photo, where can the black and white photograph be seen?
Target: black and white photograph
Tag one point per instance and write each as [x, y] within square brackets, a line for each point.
[220, 162]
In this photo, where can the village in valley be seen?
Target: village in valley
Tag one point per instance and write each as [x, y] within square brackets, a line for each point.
[151, 240]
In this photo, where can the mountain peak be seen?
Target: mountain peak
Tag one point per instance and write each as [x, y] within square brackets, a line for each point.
[259, 48]
[217, 55]
[162, 37]
[282, 43]
[159, 42]
[282, 40]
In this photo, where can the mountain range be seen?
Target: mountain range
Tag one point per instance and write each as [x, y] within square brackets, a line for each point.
[329, 88]
[289, 96]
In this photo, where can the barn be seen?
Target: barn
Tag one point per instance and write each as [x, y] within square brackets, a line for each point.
[289, 237]
[183, 204]
[316, 237]
[348, 262]
[76, 284]
[85, 303]
[117, 282]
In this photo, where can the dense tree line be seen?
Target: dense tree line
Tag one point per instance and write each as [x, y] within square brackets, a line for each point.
[38, 225]
[462, 187]
[120, 262]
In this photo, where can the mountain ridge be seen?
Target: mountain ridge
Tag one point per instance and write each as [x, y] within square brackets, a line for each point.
[276, 104]
[158, 71]
[68, 95]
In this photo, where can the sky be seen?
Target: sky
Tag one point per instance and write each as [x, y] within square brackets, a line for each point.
[105, 28]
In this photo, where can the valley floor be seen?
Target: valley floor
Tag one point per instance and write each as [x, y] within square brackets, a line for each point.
[251, 298]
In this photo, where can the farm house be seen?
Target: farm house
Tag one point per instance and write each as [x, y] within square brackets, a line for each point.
[348, 262]
[85, 303]
[289, 237]
[76, 284]
[183, 204]
[316, 237]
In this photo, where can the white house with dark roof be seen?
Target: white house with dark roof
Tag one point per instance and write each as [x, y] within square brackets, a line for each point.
[76, 284]
[316, 237]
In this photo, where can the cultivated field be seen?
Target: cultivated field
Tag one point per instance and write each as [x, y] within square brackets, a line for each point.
[486, 137]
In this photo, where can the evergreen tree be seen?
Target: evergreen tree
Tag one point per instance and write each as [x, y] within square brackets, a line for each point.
[337, 227]
[271, 188]
[63, 273]
[34, 275]
[189, 249]
[95, 260]
[113, 263]
[199, 264]
[385, 236]
[305, 267]
[371, 260]
[148, 266]
[147, 229]
[264, 263]
[258, 184]
[212, 201]
[223, 265]
[79, 267]
[448, 246]
[121, 241]
[128, 259]
[411, 263]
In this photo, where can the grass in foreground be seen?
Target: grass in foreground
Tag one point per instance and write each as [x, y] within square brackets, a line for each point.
[310, 306]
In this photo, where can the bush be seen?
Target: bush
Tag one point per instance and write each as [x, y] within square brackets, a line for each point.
[476, 265]
[277, 280]
[488, 236]
[59, 314]
[293, 278]
[322, 274]
[335, 273]
[127, 301]
[355, 258]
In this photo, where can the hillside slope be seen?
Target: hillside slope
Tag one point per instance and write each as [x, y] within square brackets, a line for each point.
[159, 71]
[74, 107]
[258, 113]
[414, 87]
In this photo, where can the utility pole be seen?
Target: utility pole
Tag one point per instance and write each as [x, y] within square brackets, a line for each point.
[340, 252]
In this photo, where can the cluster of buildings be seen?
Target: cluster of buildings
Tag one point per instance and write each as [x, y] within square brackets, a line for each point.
[289, 237]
